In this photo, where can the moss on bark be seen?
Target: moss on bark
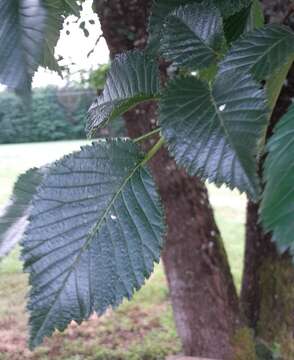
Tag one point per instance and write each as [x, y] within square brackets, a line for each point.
[276, 317]
[244, 344]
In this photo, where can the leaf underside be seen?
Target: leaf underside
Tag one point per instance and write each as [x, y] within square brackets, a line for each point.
[133, 78]
[261, 52]
[94, 234]
[56, 11]
[29, 31]
[277, 207]
[192, 36]
[22, 26]
[214, 133]
[13, 218]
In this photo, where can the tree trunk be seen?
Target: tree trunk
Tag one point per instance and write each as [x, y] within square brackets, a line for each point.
[202, 291]
[267, 294]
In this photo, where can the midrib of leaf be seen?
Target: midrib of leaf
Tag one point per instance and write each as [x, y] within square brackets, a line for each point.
[125, 101]
[20, 37]
[222, 122]
[198, 37]
[89, 238]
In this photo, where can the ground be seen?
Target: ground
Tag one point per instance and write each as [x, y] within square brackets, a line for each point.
[142, 329]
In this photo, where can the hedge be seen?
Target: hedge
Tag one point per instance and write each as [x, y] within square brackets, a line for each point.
[56, 114]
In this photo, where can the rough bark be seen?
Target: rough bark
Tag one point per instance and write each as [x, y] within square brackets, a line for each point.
[201, 287]
[267, 294]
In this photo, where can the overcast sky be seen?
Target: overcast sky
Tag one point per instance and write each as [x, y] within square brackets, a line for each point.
[75, 47]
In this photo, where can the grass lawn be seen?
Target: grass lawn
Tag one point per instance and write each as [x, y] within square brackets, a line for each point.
[142, 329]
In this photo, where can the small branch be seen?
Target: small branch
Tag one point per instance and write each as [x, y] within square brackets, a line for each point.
[153, 151]
[146, 136]
[96, 43]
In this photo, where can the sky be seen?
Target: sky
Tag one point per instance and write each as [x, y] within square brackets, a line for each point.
[74, 48]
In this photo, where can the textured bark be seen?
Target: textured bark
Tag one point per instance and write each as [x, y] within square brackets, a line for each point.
[202, 291]
[267, 294]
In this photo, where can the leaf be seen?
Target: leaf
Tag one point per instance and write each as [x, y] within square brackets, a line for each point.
[56, 11]
[22, 27]
[193, 36]
[275, 84]
[246, 20]
[261, 52]
[230, 7]
[162, 8]
[13, 218]
[277, 207]
[95, 232]
[213, 133]
[133, 78]
[235, 25]
[71, 7]
[256, 17]
[29, 30]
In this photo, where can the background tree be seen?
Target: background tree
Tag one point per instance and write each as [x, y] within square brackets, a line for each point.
[194, 257]
[267, 293]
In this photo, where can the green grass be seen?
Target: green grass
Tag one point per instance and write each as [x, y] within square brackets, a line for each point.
[140, 329]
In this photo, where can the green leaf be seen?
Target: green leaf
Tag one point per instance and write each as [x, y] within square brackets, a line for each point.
[277, 207]
[71, 6]
[29, 31]
[235, 25]
[133, 78]
[162, 8]
[13, 218]
[213, 133]
[256, 17]
[246, 20]
[275, 84]
[56, 13]
[230, 7]
[95, 231]
[22, 27]
[261, 52]
[193, 36]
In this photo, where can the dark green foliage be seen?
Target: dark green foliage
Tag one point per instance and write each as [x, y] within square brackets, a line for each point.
[98, 77]
[29, 32]
[230, 7]
[277, 208]
[13, 219]
[56, 114]
[133, 78]
[95, 231]
[199, 27]
[162, 8]
[261, 52]
[22, 29]
[214, 132]
[247, 19]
